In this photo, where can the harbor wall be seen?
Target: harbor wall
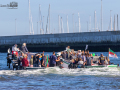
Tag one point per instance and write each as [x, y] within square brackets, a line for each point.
[97, 41]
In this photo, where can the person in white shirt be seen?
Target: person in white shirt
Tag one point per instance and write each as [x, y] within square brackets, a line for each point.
[15, 49]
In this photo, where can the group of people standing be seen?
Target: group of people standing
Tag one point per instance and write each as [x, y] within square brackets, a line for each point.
[40, 60]
[83, 57]
[36, 60]
[20, 55]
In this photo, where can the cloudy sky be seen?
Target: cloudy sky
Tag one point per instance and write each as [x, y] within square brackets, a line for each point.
[63, 8]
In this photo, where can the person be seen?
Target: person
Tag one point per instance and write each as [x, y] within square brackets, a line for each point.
[25, 62]
[81, 62]
[24, 48]
[63, 55]
[43, 60]
[101, 59]
[84, 57]
[66, 54]
[35, 60]
[83, 52]
[76, 61]
[89, 60]
[71, 56]
[39, 61]
[20, 62]
[15, 57]
[79, 54]
[9, 60]
[31, 61]
[87, 51]
[58, 61]
[73, 64]
[53, 59]
[107, 61]
[15, 49]
[91, 56]
[68, 50]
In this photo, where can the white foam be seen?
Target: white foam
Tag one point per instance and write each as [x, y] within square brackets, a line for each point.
[64, 71]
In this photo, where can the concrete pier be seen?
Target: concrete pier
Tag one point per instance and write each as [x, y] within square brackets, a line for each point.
[97, 41]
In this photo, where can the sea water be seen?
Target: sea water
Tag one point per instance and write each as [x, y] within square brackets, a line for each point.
[60, 79]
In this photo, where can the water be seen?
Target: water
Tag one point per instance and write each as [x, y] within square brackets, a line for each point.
[60, 79]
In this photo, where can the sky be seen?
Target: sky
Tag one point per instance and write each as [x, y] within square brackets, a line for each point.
[85, 8]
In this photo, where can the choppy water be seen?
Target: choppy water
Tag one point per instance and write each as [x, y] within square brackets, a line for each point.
[60, 79]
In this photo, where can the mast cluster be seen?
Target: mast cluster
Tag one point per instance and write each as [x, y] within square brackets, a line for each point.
[61, 29]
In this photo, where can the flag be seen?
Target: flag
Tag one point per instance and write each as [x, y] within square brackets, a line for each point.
[112, 54]
[86, 47]
[47, 62]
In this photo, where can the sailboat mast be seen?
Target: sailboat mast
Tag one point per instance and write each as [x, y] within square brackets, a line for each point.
[59, 24]
[79, 21]
[95, 21]
[101, 17]
[62, 27]
[67, 25]
[49, 18]
[37, 27]
[114, 22]
[15, 26]
[43, 25]
[111, 19]
[117, 21]
[29, 17]
[73, 22]
[90, 24]
[40, 18]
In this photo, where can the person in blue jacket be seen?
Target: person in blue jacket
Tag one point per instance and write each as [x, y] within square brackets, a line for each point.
[53, 59]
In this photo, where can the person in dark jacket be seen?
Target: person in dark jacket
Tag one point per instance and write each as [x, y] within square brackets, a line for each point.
[53, 59]
[35, 60]
[44, 60]
[24, 48]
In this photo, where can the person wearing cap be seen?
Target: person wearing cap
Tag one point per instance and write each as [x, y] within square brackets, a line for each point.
[101, 59]
[15, 49]
[24, 48]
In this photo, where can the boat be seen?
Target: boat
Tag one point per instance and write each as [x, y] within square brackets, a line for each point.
[13, 64]
[33, 68]
[68, 63]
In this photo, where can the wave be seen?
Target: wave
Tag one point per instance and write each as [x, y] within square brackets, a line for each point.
[67, 72]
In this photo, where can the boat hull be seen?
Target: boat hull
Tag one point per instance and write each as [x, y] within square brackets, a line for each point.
[33, 68]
